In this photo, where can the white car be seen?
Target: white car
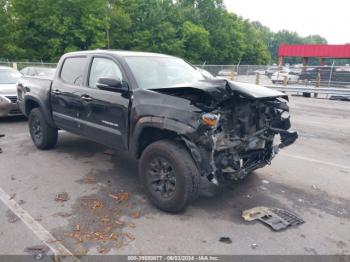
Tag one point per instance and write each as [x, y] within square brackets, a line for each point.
[284, 75]
[8, 92]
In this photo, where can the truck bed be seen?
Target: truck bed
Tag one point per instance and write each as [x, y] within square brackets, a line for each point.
[37, 88]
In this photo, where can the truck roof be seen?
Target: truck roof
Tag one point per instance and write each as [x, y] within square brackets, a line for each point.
[122, 53]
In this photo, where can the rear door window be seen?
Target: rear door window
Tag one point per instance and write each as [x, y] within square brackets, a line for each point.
[73, 70]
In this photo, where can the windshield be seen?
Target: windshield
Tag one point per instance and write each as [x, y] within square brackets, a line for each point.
[162, 72]
[9, 76]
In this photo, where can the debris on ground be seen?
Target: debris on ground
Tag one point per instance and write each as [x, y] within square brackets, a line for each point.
[129, 236]
[80, 251]
[136, 214]
[38, 251]
[13, 196]
[265, 182]
[88, 199]
[254, 246]
[275, 218]
[131, 225]
[225, 240]
[62, 197]
[119, 223]
[109, 152]
[103, 250]
[91, 236]
[89, 180]
[21, 202]
[12, 217]
[97, 205]
[62, 214]
[105, 220]
[54, 241]
[120, 197]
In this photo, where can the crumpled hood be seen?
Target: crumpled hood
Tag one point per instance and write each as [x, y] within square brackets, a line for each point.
[222, 89]
[8, 89]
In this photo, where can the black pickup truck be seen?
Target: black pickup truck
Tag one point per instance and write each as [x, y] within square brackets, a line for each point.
[181, 126]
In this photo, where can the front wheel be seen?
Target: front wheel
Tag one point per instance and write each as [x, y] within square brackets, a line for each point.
[43, 135]
[169, 175]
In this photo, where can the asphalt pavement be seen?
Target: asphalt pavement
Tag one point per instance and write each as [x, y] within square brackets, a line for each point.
[107, 211]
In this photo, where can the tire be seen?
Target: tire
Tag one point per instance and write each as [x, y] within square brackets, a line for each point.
[43, 135]
[181, 178]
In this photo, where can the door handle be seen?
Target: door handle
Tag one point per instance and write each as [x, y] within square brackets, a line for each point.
[86, 98]
[56, 92]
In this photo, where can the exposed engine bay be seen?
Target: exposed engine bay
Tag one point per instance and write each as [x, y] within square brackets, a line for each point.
[244, 139]
[240, 128]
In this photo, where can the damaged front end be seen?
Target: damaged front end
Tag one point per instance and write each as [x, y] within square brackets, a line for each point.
[244, 138]
[238, 129]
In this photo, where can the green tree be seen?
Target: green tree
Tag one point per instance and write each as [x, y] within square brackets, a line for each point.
[197, 30]
[196, 42]
[45, 29]
[5, 30]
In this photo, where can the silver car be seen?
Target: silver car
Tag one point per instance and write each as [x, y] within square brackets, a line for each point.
[8, 92]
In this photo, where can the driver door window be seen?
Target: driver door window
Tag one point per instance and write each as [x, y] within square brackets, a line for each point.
[103, 68]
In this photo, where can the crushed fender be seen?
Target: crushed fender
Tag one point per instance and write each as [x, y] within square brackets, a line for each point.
[275, 218]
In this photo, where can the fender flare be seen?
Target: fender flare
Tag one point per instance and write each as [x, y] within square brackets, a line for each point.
[44, 108]
[161, 123]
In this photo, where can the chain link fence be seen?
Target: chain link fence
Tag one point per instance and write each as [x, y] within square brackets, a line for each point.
[318, 76]
[21, 65]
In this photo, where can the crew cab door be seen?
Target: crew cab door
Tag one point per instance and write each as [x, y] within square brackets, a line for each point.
[66, 103]
[105, 115]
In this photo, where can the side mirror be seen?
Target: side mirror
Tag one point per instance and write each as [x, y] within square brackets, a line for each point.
[111, 84]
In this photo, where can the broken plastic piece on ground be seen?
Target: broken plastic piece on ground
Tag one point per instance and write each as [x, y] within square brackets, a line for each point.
[275, 218]
[62, 197]
[225, 240]
[39, 251]
[254, 246]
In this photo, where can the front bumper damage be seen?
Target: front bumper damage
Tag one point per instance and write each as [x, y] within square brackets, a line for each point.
[245, 139]
[249, 121]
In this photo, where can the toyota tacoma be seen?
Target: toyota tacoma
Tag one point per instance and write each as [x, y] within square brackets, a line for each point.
[182, 127]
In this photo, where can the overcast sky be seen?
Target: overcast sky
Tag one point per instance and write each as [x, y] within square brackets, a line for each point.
[328, 18]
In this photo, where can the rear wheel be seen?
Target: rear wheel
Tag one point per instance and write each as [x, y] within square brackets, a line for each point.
[169, 175]
[43, 135]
